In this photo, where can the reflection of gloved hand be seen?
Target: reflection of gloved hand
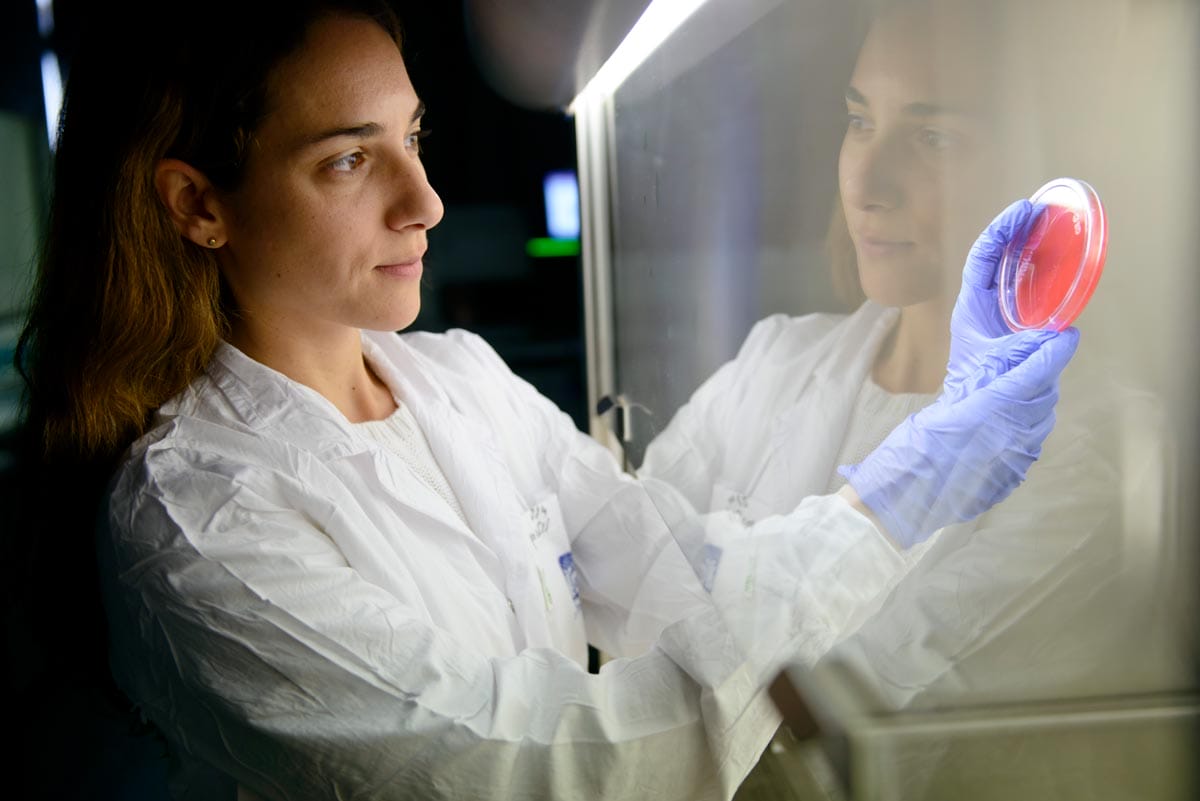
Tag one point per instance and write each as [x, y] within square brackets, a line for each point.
[971, 448]
[958, 457]
[977, 325]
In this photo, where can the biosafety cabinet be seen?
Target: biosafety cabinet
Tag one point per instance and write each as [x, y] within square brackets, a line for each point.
[789, 160]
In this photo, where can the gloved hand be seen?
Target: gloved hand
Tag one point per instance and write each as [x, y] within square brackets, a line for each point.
[957, 458]
[976, 326]
[960, 456]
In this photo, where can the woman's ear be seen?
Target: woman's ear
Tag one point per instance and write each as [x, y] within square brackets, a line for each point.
[192, 202]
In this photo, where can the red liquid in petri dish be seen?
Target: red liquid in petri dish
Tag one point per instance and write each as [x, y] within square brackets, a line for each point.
[1047, 278]
[1047, 268]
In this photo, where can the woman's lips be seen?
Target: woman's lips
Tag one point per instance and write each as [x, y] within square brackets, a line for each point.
[409, 269]
[880, 248]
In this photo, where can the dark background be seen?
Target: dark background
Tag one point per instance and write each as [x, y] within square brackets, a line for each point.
[486, 158]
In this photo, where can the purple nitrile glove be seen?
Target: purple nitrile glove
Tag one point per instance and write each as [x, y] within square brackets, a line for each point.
[977, 324]
[956, 458]
[967, 451]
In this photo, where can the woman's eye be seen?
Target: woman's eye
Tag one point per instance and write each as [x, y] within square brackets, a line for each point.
[937, 140]
[347, 163]
[413, 141]
[858, 122]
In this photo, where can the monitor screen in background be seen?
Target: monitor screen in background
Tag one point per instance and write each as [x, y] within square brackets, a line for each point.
[561, 191]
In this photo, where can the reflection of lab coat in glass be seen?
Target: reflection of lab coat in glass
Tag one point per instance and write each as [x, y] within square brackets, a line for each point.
[1038, 598]
[300, 614]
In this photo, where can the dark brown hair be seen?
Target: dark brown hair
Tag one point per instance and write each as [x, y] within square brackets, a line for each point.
[126, 312]
[843, 262]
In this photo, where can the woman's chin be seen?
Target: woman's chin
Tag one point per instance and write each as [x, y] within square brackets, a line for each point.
[898, 287]
[900, 296]
[396, 319]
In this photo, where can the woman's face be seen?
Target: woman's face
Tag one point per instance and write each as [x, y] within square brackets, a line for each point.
[328, 227]
[918, 163]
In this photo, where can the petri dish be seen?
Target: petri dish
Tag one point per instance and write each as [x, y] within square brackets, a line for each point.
[1050, 269]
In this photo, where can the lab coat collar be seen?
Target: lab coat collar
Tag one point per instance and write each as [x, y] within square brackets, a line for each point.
[804, 445]
[262, 399]
[455, 414]
[468, 454]
[265, 400]
[858, 340]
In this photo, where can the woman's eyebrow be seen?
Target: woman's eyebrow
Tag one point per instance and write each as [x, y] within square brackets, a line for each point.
[933, 110]
[364, 130]
[919, 109]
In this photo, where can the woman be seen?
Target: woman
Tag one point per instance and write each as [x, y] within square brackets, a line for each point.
[338, 562]
[1034, 599]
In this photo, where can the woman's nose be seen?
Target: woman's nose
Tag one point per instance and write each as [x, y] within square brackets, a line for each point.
[872, 175]
[414, 203]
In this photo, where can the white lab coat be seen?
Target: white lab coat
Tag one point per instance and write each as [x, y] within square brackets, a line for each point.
[1051, 594]
[298, 613]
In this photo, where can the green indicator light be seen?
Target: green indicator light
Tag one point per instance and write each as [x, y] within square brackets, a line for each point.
[545, 247]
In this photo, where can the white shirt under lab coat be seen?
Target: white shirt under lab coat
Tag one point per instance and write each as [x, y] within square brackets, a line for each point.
[299, 613]
[1050, 594]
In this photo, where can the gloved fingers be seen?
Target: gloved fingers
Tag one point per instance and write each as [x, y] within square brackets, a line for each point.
[983, 260]
[1002, 356]
[976, 320]
[1017, 348]
[1039, 370]
[976, 317]
[967, 451]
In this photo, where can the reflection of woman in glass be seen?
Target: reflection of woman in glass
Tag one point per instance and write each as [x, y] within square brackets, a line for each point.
[1024, 602]
[344, 563]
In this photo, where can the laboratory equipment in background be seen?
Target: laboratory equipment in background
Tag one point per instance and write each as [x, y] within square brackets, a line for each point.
[30, 97]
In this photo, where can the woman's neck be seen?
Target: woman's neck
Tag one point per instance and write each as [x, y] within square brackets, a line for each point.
[331, 363]
[913, 358]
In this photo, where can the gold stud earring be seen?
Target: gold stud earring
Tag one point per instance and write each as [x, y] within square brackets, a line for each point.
[212, 241]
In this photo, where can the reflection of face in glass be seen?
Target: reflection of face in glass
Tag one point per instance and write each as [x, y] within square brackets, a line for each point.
[919, 161]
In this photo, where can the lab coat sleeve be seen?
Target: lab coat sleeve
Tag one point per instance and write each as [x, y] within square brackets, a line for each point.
[790, 582]
[244, 634]
[249, 641]
[690, 450]
[1044, 596]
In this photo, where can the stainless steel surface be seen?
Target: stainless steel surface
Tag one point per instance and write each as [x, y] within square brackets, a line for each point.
[722, 185]
[593, 127]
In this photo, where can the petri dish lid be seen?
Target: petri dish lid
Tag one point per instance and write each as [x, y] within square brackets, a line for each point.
[1050, 268]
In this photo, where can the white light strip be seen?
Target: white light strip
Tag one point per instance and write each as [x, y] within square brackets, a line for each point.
[45, 17]
[52, 92]
[658, 22]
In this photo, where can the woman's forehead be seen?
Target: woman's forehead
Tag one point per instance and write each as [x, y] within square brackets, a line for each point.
[348, 70]
[927, 52]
